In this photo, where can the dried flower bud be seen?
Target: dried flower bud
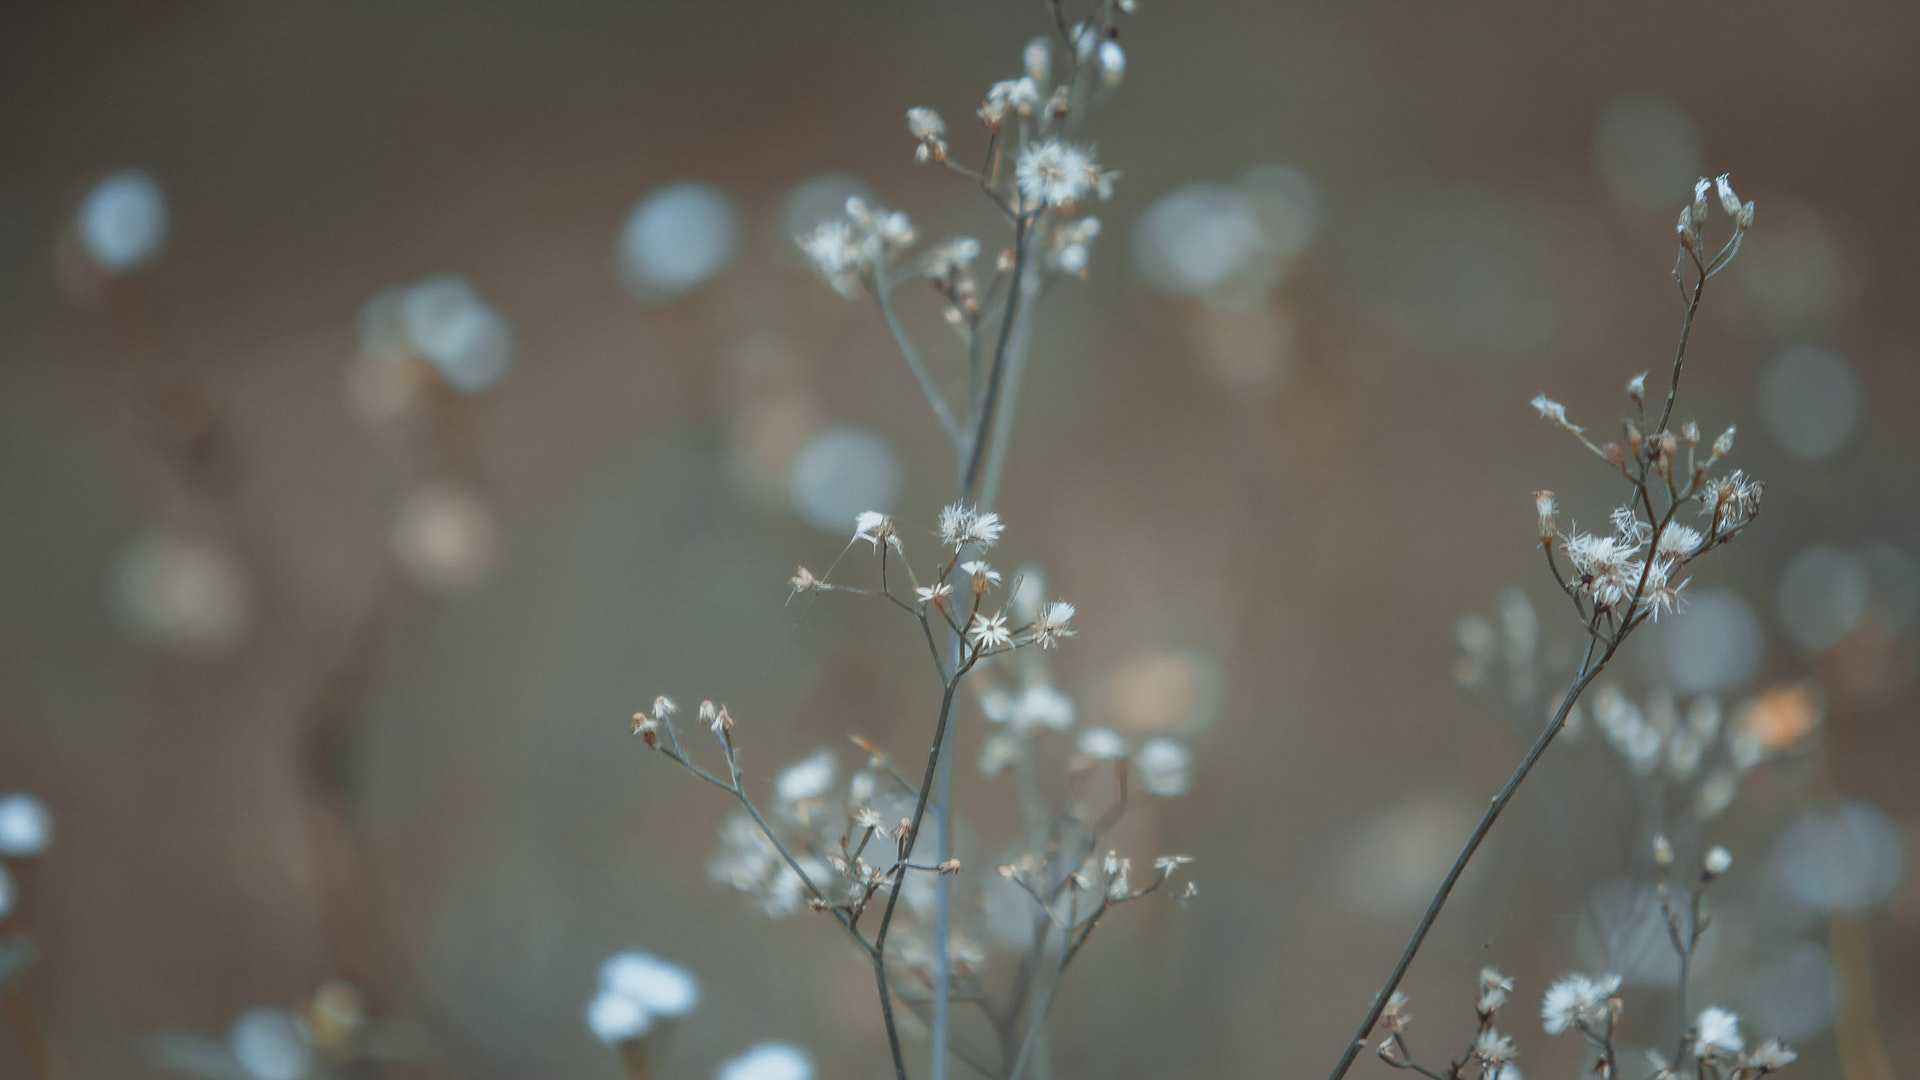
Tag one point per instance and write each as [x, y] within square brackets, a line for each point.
[1690, 431]
[1633, 436]
[1689, 234]
[804, 581]
[814, 903]
[1544, 507]
[1613, 453]
[1662, 851]
[1728, 200]
[664, 708]
[1698, 211]
[648, 729]
[1743, 220]
[1061, 103]
[1113, 63]
[902, 831]
[1008, 871]
[1637, 389]
[1723, 445]
[949, 868]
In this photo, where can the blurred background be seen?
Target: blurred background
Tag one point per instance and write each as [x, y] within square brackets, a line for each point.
[321, 656]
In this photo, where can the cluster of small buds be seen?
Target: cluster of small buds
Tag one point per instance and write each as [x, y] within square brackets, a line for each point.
[1067, 245]
[850, 252]
[1694, 214]
[1494, 988]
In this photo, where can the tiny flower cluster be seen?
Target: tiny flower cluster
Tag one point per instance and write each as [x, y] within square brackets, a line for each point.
[850, 252]
[1694, 746]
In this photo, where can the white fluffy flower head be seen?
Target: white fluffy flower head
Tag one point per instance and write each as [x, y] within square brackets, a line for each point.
[1051, 173]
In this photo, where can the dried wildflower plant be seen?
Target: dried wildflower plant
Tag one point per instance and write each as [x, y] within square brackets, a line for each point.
[1615, 580]
[856, 851]
[1707, 1045]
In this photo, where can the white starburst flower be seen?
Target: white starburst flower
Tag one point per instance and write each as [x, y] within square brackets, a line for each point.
[961, 525]
[975, 568]
[1576, 999]
[1051, 626]
[989, 632]
[1040, 707]
[1493, 1048]
[1052, 172]
[932, 594]
[1716, 1034]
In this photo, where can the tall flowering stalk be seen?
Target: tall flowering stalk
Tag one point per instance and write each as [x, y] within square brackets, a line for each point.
[1039, 175]
[1619, 579]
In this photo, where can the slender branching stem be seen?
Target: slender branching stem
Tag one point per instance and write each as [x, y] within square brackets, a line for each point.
[883, 293]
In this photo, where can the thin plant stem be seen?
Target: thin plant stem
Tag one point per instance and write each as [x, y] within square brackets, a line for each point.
[883, 293]
[1589, 668]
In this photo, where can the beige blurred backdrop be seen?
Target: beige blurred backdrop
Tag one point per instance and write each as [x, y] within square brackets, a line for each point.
[1271, 500]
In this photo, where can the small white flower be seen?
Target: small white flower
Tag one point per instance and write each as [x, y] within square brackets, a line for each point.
[930, 131]
[615, 1018]
[768, 1061]
[1576, 999]
[1678, 541]
[1017, 96]
[1101, 744]
[657, 987]
[1051, 173]
[26, 826]
[1717, 1034]
[1493, 1048]
[1165, 768]
[1051, 626]
[961, 525]
[1771, 1055]
[989, 632]
[1494, 988]
[932, 594]
[810, 778]
[874, 526]
[977, 569]
[1113, 63]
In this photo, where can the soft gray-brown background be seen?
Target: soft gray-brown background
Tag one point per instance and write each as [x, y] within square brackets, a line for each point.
[1311, 533]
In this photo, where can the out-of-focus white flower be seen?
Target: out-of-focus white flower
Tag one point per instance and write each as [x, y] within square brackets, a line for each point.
[678, 238]
[768, 1061]
[659, 988]
[123, 222]
[270, 1044]
[615, 1018]
[1113, 63]
[1102, 744]
[1042, 707]
[1771, 1055]
[1051, 173]
[460, 334]
[1717, 861]
[445, 537]
[183, 592]
[26, 826]
[1493, 1048]
[1494, 988]
[1165, 767]
[810, 778]
[1018, 97]
[1716, 1034]
[1576, 999]
[848, 251]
